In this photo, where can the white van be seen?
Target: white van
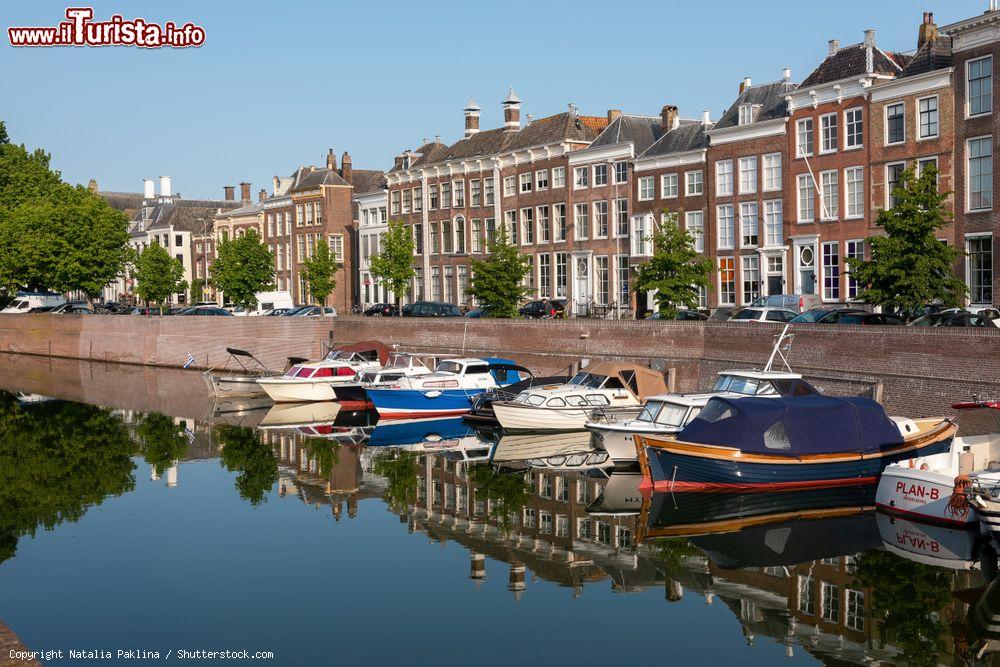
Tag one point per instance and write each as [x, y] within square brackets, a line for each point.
[269, 301]
[25, 301]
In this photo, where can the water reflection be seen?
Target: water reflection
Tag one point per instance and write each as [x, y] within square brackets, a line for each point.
[813, 572]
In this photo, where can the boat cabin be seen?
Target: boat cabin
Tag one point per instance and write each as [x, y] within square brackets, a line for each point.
[762, 383]
[671, 410]
[605, 383]
[471, 373]
[365, 352]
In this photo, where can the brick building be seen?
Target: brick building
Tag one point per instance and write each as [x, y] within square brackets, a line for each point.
[453, 197]
[747, 197]
[975, 57]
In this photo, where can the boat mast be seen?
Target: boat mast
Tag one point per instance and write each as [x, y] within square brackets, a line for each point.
[782, 344]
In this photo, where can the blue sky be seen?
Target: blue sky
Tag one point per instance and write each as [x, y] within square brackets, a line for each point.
[277, 83]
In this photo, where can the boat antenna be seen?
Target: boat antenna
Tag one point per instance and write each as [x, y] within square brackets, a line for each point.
[782, 344]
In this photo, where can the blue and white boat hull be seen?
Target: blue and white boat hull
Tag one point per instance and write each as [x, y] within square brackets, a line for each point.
[417, 404]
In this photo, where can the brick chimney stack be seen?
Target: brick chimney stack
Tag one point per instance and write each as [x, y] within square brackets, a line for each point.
[512, 111]
[745, 83]
[262, 195]
[668, 117]
[230, 191]
[472, 117]
[245, 192]
[833, 46]
[613, 114]
[928, 31]
[346, 168]
[331, 160]
[92, 186]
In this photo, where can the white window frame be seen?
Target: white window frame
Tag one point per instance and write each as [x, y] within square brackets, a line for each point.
[847, 133]
[860, 203]
[968, 267]
[722, 244]
[719, 191]
[968, 100]
[775, 166]
[885, 120]
[728, 258]
[689, 181]
[888, 190]
[665, 189]
[699, 236]
[798, 198]
[745, 208]
[594, 179]
[773, 208]
[937, 118]
[968, 180]
[799, 148]
[578, 182]
[825, 119]
[541, 179]
[825, 214]
[647, 183]
[524, 183]
[833, 298]
[751, 184]
[509, 186]
[596, 232]
[558, 177]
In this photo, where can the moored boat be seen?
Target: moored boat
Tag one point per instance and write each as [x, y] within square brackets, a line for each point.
[603, 387]
[755, 443]
[239, 376]
[398, 365]
[928, 543]
[315, 381]
[448, 391]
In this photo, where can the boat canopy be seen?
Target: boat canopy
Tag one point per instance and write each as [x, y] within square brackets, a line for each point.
[372, 350]
[506, 371]
[639, 380]
[799, 425]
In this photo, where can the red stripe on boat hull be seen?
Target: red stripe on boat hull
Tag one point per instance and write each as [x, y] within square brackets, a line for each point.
[667, 485]
[924, 518]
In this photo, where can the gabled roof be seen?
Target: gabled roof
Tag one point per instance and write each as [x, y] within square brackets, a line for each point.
[768, 97]
[429, 152]
[312, 178]
[856, 60]
[935, 54]
[642, 131]
[249, 209]
[367, 180]
[187, 215]
[689, 136]
[128, 203]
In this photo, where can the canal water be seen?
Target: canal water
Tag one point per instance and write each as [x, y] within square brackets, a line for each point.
[136, 515]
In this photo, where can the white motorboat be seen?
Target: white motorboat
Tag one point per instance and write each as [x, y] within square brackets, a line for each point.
[667, 414]
[399, 365]
[570, 451]
[952, 547]
[239, 376]
[295, 415]
[603, 387]
[316, 381]
[929, 488]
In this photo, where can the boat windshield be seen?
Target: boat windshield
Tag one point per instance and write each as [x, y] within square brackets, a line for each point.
[588, 380]
[335, 354]
[400, 361]
[744, 385]
[672, 414]
[649, 411]
[452, 367]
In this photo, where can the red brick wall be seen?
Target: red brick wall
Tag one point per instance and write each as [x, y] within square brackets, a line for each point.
[923, 370]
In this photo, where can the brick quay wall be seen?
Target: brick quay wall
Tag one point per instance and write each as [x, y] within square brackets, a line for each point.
[920, 370]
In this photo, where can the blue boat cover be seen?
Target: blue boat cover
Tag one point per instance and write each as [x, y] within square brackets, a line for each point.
[505, 371]
[793, 426]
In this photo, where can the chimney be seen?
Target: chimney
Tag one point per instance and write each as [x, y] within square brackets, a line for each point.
[92, 186]
[245, 192]
[331, 160]
[147, 189]
[512, 111]
[869, 37]
[613, 114]
[398, 162]
[928, 31]
[472, 117]
[527, 120]
[347, 169]
[262, 195]
[834, 45]
[230, 191]
[706, 118]
[668, 116]
[786, 74]
[165, 189]
[744, 84]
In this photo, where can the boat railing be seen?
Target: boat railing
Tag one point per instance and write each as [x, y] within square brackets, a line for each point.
[606, 414]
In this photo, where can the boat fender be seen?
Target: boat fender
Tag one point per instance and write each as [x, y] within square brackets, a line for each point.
[432, 394]
[958, 504]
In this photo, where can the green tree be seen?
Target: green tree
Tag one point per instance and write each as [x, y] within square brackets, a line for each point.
[245, 454]
[676, 270]
[320, 272]
[158, 275]
[243, 267]
[400, 470]
[4, 139]
[909, 266]
[57, 460]
[506, 489]
[163, 442]
[498, 280]
[198, 286]
[53, 235]
[393, 266]
[907, 598]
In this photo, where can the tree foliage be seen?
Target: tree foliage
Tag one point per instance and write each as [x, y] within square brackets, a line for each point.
[245, 454]
[498, 280]
[158, 275]
[243, 267]
[909, 266]
[393, 266]
[320, 273]
[162, 441]
[56, 461]
[53, 235]
[400, 470]
[4, 139]
[506, 490]
[676, 270]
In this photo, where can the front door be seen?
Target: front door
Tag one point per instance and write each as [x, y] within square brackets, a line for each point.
[774, 285]
[582, 290]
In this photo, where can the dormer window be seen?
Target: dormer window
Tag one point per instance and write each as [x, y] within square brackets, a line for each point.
[747, 113]
[406, 162]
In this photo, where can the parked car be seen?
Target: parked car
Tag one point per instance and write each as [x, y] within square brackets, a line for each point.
[28, 302]
[275, 312]
[797, 302]
[953, 318]
[764, 315]
[433, 309]
[689, 314]
[75, 309]
[543, 308]
[206, 310]
[475, 313]
[825, 315]
[147, 310]
[381, 310]
[293, 310]
[721, 314]
[316, 311]
[870, 318]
